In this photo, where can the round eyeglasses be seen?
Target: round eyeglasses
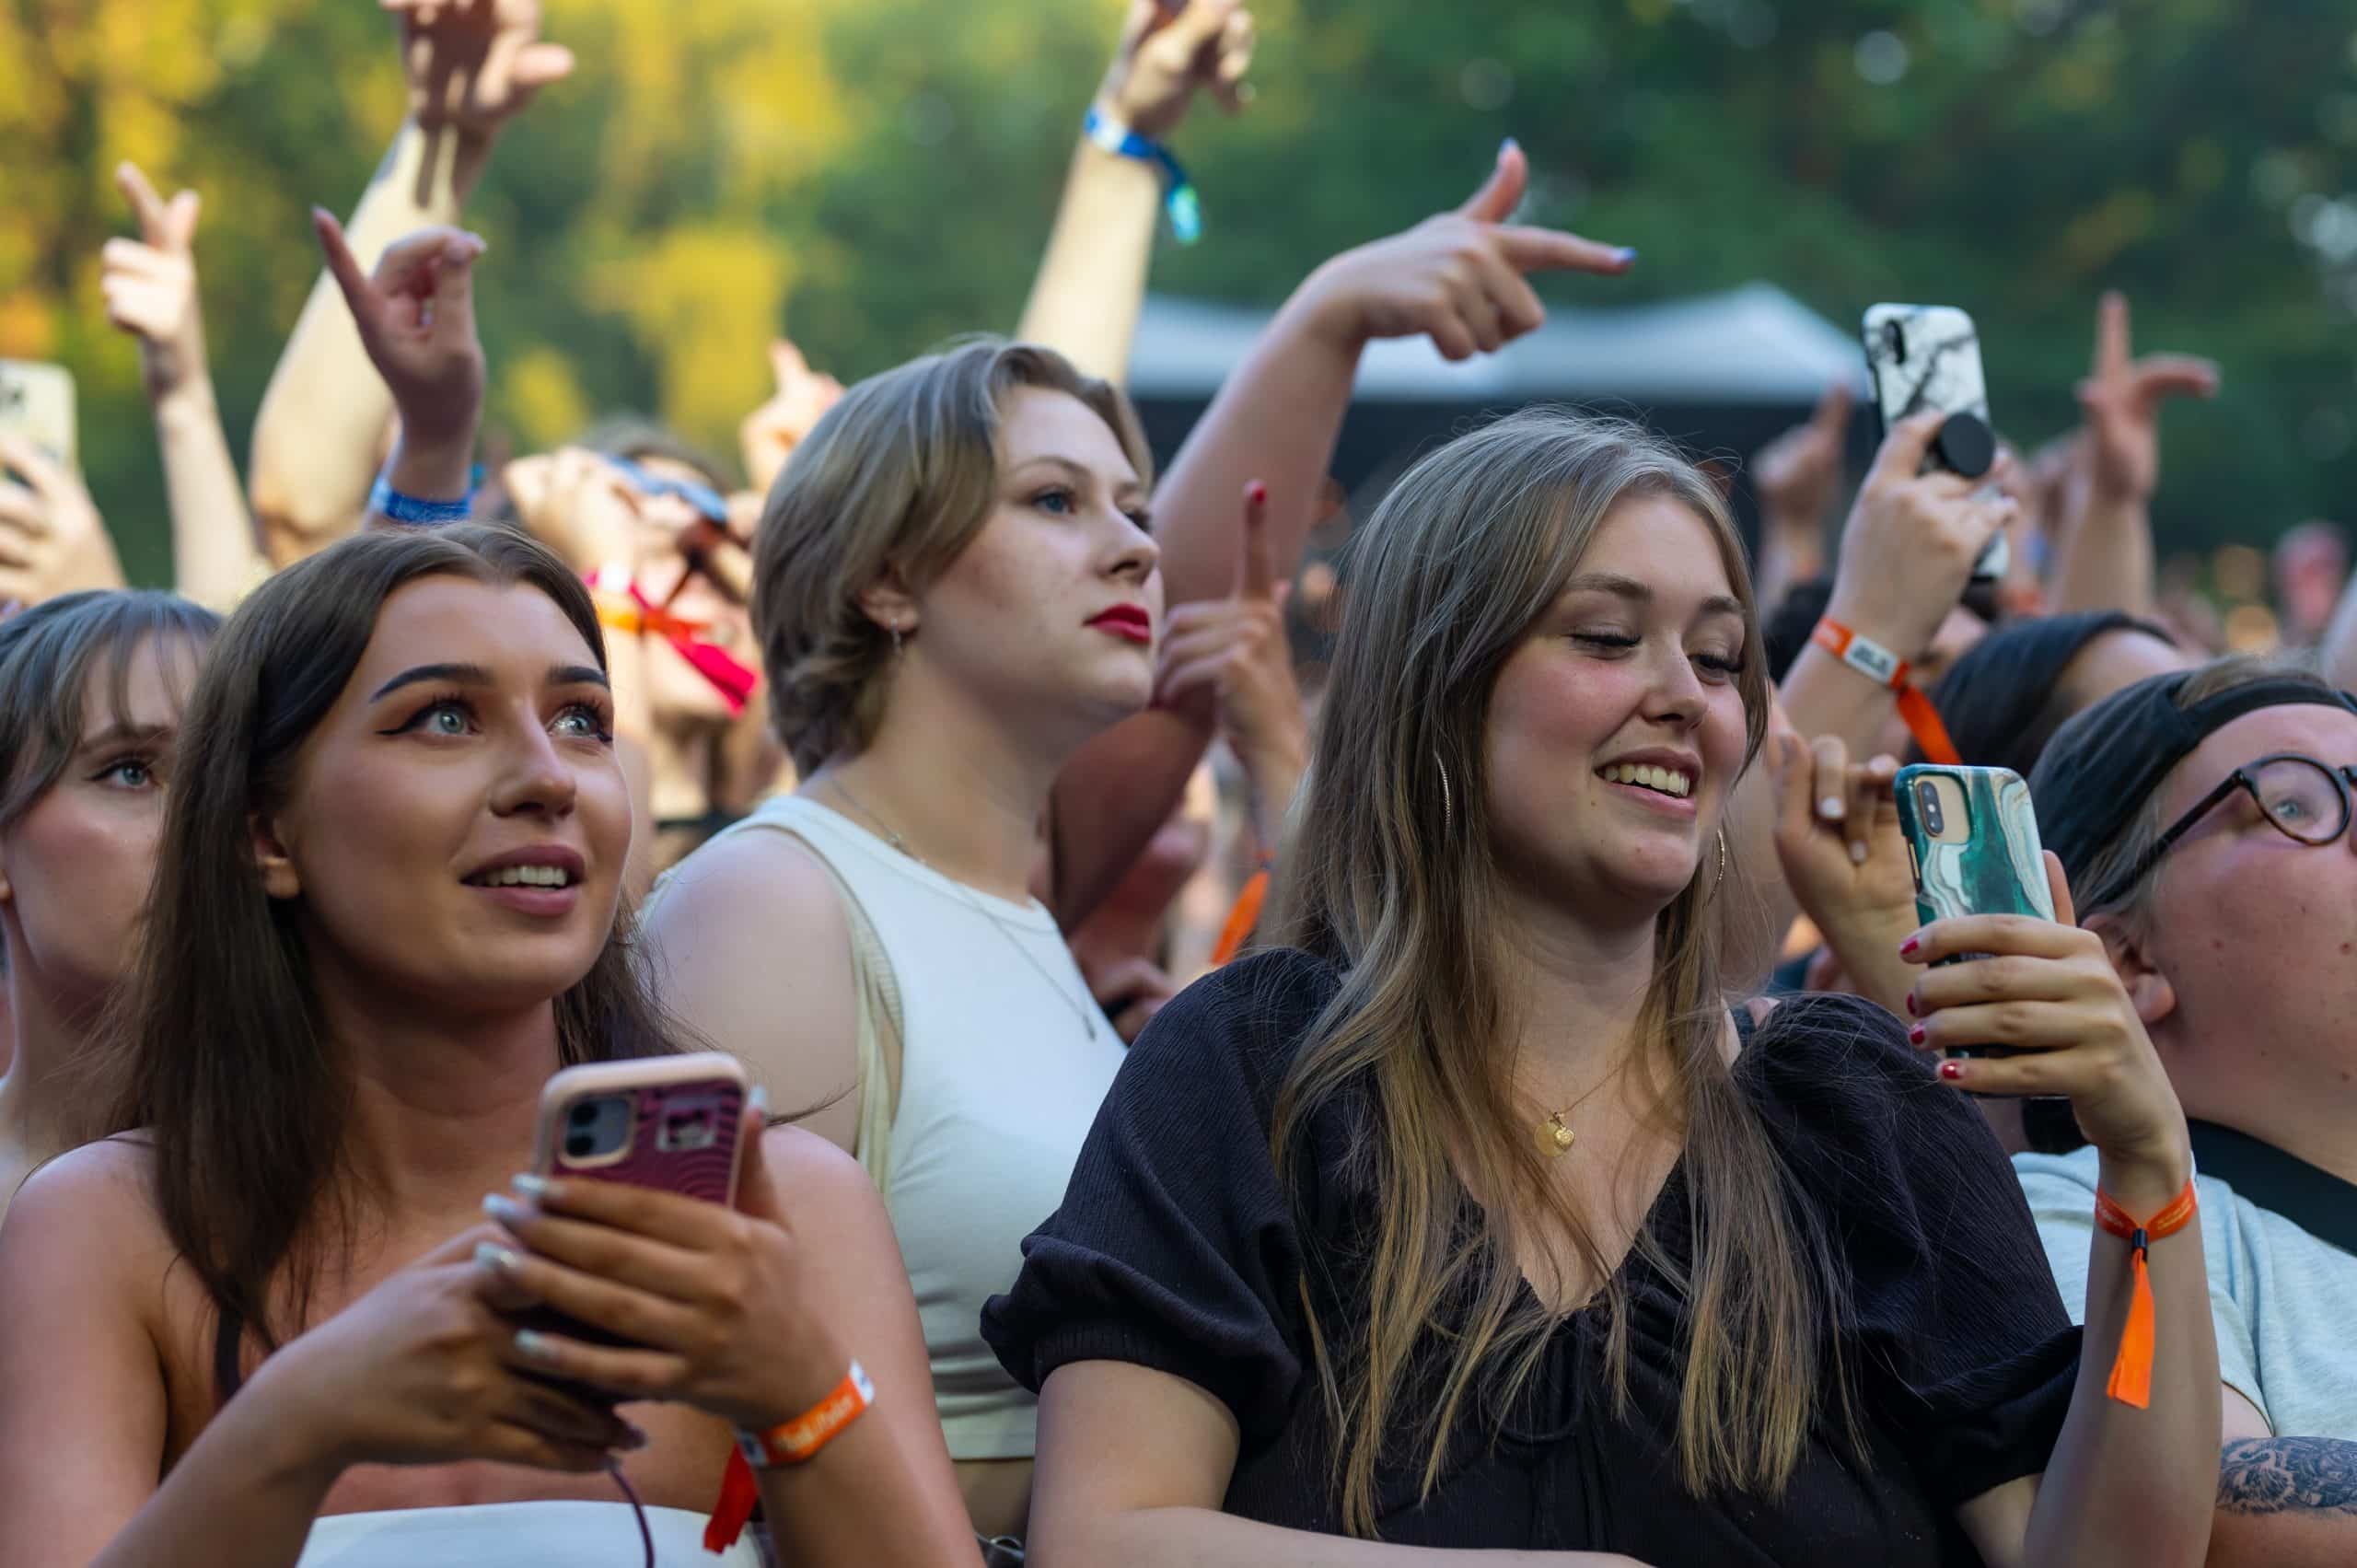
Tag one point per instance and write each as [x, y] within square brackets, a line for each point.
[2301, 798]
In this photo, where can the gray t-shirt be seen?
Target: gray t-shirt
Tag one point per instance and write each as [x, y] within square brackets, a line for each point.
[2281, 1298]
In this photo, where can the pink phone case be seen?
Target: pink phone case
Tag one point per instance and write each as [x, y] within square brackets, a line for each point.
[707, 1089]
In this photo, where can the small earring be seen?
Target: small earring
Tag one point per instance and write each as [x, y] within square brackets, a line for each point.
[1448, 803]
[896, 642]
[1722, 865]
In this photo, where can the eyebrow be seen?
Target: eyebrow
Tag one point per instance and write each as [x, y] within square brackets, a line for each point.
[476, 675]
[1636, 592]
[116, 735]
[1076, 469]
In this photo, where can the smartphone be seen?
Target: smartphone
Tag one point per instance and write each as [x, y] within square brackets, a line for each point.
[670, 1123]
[1972, 840]
[1928, 357]
[37, 402]
[665, 1123]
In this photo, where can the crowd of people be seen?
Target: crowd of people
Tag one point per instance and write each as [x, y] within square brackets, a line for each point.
[1493, 1092]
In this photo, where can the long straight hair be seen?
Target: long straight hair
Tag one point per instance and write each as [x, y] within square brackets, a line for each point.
[1394, 881]
[218, 1053]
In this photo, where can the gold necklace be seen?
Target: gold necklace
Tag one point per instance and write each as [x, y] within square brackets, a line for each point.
[1088, 1015]
[1555, 1139]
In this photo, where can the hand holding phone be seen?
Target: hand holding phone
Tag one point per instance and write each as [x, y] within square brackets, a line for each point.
[1926, 359]
[1972, 841]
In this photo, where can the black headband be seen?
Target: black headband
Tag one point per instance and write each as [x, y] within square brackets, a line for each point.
[2102, 766]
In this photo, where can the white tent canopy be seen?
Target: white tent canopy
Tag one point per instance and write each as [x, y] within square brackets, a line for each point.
[1753, 344]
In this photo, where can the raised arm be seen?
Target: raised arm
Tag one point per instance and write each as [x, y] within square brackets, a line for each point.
[1458, 278]
[322, 421]
[151, 293]
[1092, 280]
[2103, 548]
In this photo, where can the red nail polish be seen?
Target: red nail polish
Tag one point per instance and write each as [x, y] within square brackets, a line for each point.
[1256, 493]
[1915, 1035]
[1951, 1071]
[1911, 1009]
[1906, 948]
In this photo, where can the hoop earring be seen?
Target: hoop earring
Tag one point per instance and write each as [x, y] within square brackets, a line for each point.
[1723, 867]
[1448, 803]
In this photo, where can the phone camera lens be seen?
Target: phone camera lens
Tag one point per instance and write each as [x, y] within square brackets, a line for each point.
[1895, 337]
[583, 1115]
[580, 1146]
[1927, 793]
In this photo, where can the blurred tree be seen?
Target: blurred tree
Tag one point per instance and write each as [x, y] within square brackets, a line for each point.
[870, 176]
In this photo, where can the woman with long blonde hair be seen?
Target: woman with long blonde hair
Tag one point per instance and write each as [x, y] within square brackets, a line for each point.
[1477, 1219]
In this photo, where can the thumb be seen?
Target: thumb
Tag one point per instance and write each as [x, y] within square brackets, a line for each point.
[1502, 192]
[541, 66]
[1904, 449]
[454, 273]
[2065, 911]
[755, 1196]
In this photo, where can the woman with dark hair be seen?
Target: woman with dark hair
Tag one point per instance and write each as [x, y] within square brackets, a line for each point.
[2002, 700]
[91, 689]
[386, 910]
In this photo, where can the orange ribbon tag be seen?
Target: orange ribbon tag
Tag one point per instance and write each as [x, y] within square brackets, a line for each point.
[1242, 917]
[2132, 1370]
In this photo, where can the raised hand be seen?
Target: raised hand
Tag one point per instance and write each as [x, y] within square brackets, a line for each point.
[1796, 475]
[150, 284]
[1171, 50]
[2122, 401]
[1844, 858]
[416, 317]
[580, 505]
[53, 541]
[2048, 988]
[473, 64]
[1908, 547]
[1458, 277]
[771, 432]
[1233, 652]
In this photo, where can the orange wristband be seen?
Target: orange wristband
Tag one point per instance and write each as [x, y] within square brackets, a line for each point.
[796, 1442]
[2132, 1370]
[1884, 668]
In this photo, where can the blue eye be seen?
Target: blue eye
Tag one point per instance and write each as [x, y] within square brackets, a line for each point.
[580, 721]
[129, 773]
[1058, 501]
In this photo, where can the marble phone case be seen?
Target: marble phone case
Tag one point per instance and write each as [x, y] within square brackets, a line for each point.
[1998, 867]
[1928, 357]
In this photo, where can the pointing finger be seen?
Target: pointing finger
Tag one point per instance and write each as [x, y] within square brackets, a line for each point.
[146, 205]
[1549, 250]
[2111, 336]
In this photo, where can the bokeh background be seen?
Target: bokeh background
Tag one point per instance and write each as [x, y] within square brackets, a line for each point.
[870, 176]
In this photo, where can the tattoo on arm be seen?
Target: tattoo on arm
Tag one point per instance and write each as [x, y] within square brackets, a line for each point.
[2271, 1475]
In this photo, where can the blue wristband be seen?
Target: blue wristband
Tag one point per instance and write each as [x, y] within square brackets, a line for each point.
[1178, 191]
[385, 501]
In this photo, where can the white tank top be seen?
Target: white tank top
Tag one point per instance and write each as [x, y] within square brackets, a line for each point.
[516, 1535]
[1000, 1080]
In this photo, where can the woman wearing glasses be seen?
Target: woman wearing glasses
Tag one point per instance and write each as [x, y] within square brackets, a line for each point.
[2206, 815]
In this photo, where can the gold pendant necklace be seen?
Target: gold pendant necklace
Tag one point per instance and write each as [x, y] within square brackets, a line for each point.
[1554, 1138]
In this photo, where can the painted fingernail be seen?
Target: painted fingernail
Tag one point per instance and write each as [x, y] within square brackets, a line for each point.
[1257, 492]
[1913, 1007]
[1626, 254]
[533, 1346]
[497, 1258]
[1916, 1034]
[532, 1186]
[1906, 948]
[1508, 145]
[506, 1210]
[758, 1102]
[1858, 852]
[1952, 1071]
[1831, 809]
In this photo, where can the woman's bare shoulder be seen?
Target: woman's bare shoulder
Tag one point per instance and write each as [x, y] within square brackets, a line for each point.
[104, 1190]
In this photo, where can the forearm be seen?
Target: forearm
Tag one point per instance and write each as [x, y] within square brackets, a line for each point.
[1201, 1538]
[1091, 282]
[215, 555]
[316, 434]
[2285, 1503]
[243, 1496]
[1274, 775]
[1111, 800]
[1790, 550]
[2104, 560]
[1275, 420]
[867, 1499]
[2127, 1486]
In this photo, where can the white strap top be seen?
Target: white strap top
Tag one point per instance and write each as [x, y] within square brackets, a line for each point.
[516, 1534]
[1000, 1081]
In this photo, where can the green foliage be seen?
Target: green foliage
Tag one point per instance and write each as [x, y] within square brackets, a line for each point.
[870, 176]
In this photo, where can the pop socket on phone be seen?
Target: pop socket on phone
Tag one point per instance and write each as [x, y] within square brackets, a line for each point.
[1966, 445]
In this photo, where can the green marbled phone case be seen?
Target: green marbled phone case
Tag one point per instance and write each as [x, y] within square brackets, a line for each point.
[1998, 868]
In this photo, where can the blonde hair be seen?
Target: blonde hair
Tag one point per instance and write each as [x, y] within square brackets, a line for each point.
[1393, 881]
[899, 476]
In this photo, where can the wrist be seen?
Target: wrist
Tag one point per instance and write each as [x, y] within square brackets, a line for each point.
[2142, 1180]
[297, 1442]
[1888, 625]
[1322, 312]
[187, 398]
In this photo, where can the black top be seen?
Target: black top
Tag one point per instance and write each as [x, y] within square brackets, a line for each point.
[1178, 1248]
